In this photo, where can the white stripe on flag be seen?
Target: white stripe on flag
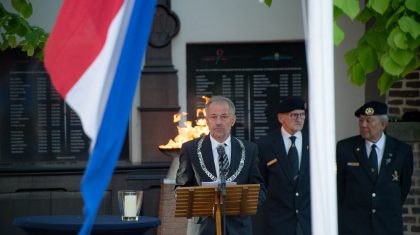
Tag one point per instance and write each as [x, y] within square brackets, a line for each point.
[96, 82]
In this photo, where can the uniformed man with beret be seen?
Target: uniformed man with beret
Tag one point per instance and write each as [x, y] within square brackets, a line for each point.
[284, 165]
[373, 176]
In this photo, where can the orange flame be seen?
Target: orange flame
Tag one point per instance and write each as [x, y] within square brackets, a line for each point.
[186, 131]
[206, 99]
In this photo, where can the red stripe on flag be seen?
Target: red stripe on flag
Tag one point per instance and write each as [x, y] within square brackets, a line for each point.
[83, 26]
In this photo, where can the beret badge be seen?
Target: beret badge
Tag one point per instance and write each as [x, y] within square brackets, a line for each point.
[369, 111]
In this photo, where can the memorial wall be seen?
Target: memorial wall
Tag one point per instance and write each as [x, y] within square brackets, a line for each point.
[256, 76]
[37, 127]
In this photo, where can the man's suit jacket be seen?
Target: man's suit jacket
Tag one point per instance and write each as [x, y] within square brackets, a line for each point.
[288, 203]
[367, 206]
[192, 172]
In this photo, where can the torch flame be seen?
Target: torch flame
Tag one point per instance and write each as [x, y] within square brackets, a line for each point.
[186, 131]
[206, 99]
[200, 111]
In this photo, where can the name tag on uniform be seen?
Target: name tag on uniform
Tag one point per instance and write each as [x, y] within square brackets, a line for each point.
[353, 164]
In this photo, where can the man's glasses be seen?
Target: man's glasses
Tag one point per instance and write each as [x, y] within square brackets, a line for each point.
[295, 116]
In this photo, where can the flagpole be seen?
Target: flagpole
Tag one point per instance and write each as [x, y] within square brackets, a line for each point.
[320, 57]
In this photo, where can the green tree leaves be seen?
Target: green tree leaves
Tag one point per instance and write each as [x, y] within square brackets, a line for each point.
[338, 34]
[349, 7]
[409, 25]
[390, 44]
[380, 6]
[268, 2]
[367, 59]
[413, 5]
[22, 7]
[17, 31]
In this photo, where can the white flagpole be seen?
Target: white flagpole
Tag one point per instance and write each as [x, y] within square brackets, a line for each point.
[319, 44]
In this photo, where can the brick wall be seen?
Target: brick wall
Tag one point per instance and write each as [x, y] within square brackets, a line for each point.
[404, 96]
[412, 204]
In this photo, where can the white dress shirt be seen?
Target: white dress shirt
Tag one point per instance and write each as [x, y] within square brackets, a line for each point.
[380, 146]
[288, 142]
[228, 151]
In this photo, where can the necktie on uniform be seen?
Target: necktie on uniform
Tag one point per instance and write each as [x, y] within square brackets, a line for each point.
[293, 157]
[223, 160]
[373, 161]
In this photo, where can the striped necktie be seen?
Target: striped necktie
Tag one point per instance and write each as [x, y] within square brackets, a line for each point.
[223, 160]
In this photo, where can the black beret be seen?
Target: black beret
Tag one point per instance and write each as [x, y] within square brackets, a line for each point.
[291, 104]
[372, 108]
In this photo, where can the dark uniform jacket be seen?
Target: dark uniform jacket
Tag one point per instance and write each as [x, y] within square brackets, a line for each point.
[288, 203]
[367, 206]
[192, 172]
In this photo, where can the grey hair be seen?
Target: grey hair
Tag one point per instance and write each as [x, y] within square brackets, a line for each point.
[221, 99]
[384, 117]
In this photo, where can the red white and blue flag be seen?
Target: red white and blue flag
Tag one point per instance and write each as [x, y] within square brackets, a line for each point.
[93, 56]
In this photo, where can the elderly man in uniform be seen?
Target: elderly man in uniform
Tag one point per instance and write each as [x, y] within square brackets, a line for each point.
[284, 164]
[373, 176]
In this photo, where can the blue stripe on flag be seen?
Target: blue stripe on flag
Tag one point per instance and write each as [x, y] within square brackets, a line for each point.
[117, 112]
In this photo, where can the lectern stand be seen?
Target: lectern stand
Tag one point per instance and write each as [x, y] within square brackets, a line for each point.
[207, 201]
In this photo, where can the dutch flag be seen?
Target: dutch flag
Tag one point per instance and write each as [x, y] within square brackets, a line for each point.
[93, 56]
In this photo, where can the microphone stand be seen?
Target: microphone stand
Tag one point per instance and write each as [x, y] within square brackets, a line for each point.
[222, 199]
[222, 186]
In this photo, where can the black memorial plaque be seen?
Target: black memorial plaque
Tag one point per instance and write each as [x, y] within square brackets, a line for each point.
[256, 76]
[37, 126]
